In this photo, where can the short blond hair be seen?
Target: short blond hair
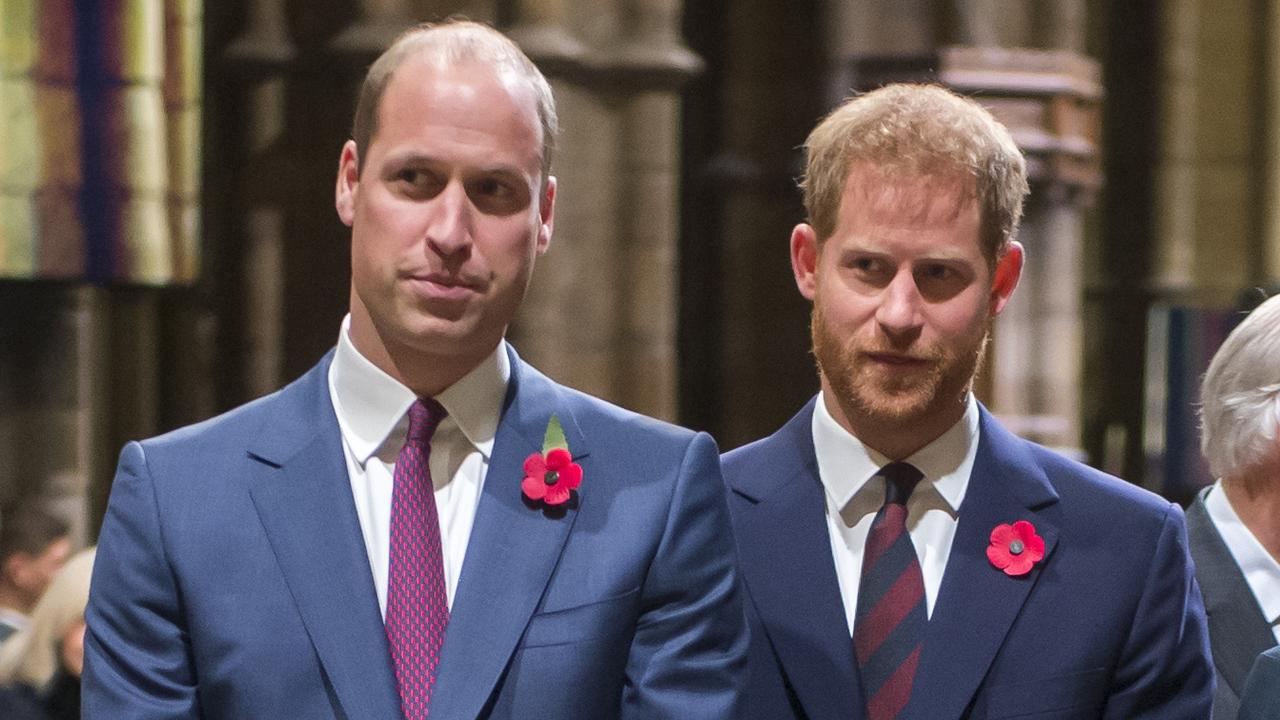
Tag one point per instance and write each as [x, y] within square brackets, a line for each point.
[917, 130]
[32, 655]
[1240, 395]
[451, 43]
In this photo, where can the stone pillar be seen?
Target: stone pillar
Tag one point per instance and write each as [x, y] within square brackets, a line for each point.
[261, 58]
[1210, 174]
[601, 313]
[1270, 251]
[1050, 101]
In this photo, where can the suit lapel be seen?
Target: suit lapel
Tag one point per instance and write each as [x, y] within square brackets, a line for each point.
[785, 554]
[303, 497]
[1238, 632]
[978, 603]
[513, 550]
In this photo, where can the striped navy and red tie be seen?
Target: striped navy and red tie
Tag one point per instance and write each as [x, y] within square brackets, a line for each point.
[417, 604]
[888, 630]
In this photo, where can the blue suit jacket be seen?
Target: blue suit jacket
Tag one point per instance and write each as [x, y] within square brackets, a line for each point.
[1261, 697]
[1109, 624]
[232, 581]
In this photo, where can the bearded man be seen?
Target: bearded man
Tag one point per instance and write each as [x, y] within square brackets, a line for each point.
[904, 555]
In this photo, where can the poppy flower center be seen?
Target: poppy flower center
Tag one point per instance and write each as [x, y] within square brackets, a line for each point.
[1015, 547]
[551, 477]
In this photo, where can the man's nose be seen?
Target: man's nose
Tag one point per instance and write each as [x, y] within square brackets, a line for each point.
[899, 309]
[449, 230]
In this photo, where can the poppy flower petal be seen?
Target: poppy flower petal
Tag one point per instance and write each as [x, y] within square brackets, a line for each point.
[1002, 535]
[1019, 565]
[558, 459]
[535, 465]
[571, 476]
[556, 494]
[998, 555]
[534, 488]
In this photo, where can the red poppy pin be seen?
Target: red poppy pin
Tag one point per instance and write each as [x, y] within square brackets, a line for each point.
[551, 475]
[1015, 548]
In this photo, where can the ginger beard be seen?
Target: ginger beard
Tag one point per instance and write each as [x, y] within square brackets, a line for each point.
[867, 394]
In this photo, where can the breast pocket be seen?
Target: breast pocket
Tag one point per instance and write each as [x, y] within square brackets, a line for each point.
[1066, 696]
[583, 622]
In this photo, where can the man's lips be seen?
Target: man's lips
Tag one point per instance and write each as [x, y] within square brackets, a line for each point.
[896, 359]
[443, 287]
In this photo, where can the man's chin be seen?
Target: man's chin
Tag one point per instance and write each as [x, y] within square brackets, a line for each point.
[890, 411]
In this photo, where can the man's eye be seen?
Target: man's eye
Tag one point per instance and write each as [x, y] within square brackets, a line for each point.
[868, 268]
[938, 282]
[936, 272]
[410, 176]
[492, 188]
[498, 196]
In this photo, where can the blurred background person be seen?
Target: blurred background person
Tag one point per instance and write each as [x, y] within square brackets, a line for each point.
[1261, 698]
[1234, 525]
[40, 666]
[34, 544]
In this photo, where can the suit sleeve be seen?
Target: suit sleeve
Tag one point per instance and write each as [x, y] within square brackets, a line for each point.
[137, 655]
[1165, 671]
[688, 657]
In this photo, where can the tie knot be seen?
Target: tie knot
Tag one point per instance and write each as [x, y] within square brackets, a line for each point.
[899, 480]
[425, 415]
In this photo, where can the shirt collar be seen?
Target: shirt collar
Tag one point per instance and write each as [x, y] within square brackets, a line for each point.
[370, 404]
[845, 464]
[1260, 570]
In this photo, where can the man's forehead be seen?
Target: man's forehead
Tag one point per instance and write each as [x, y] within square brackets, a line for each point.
[907, 195]
[463, 76]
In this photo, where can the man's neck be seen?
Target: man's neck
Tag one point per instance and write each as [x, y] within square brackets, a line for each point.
[1256, 501]
[427, 374]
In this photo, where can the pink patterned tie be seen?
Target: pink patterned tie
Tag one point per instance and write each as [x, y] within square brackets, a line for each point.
[417, 606]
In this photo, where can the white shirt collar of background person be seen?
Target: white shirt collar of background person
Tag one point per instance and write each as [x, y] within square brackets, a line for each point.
[846, 466]
[1261, 571]
[371, 408]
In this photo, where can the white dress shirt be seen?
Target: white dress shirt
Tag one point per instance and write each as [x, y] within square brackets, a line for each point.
[372, 410]
[1261, 571]
[854, 496]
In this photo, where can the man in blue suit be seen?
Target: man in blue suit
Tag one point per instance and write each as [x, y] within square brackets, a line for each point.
[423, 522]
[904, 555]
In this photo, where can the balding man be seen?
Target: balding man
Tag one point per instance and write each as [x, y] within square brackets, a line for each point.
[423, 522]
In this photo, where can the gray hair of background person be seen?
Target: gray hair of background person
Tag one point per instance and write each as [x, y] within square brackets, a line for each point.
[32, 655]
[1240, 396]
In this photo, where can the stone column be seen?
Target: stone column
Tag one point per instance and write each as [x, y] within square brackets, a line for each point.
[601, 313]
[261, 57]
[1210, 175]
[1050, 99]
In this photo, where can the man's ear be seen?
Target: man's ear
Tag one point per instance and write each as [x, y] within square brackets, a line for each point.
[348, 182]
[804, 259]
[1008, 272]
[546, 215]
